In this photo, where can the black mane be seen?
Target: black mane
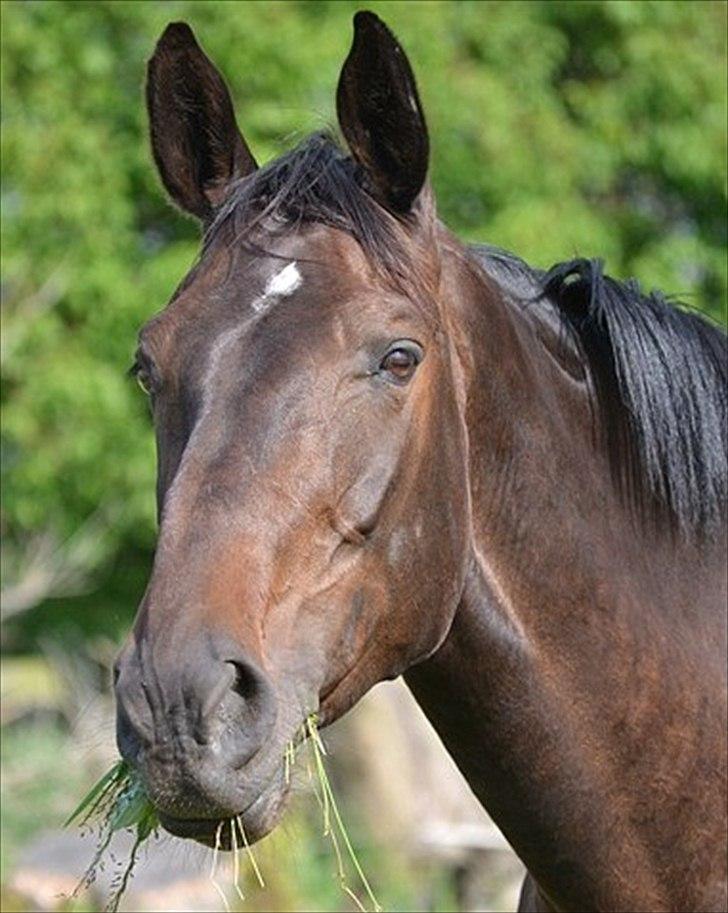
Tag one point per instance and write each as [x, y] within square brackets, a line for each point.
[659, 375]
[316, 182]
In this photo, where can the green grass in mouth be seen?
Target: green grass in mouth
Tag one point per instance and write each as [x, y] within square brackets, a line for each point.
[119, 800]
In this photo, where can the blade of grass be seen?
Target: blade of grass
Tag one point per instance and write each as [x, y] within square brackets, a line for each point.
[330, 808]
[249, 851]
[359, 905]
[330, 833]
[289, 761]
[236, 860]
[318, 764]
[89, 876]
[112, 905]
[213, 870]
[117, 801]
[93, 797]
[340, 871]
[350, 848]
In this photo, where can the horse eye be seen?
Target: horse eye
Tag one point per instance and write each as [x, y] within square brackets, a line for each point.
[400, 362]
[143, 378]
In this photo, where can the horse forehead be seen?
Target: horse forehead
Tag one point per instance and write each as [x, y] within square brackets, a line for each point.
[281, 284]
[320, 266]
[210, 299]
[284, 282]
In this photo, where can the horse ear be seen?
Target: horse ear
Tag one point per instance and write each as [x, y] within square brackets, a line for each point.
[195, 140]
[380, 115]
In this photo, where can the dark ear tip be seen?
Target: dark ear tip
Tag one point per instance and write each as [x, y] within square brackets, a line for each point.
[177, 35]
[369, 28]
[365, 20]
[365, 17]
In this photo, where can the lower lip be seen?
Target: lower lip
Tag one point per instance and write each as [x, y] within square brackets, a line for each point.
[214, 831]
[205, 830]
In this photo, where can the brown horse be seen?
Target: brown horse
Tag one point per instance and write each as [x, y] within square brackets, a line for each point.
[384, 452]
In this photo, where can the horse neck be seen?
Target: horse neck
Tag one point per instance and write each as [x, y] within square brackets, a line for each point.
[550, 690]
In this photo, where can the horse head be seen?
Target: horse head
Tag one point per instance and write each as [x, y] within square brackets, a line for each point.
[305, 388]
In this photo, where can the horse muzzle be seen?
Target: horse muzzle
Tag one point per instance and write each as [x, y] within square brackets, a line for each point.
[196, 720]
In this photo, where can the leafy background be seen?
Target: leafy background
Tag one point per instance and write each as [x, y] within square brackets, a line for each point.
[558, 128]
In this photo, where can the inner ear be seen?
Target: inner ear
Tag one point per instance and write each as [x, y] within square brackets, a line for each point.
[381, 117]
[197, 146]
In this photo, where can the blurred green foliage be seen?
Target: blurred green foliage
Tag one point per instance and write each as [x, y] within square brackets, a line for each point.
[557, 128]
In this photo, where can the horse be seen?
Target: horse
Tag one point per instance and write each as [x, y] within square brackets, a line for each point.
[382, 452]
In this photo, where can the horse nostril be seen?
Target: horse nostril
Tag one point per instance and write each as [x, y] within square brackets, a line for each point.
[247, 712]
[215, 697]
[246, 681]
[209, 695]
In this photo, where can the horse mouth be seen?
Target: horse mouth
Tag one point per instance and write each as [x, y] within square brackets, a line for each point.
[203, 830]
[236, 829]
[215, 833]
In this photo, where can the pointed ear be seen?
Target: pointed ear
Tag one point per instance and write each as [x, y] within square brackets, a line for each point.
[196, 143]
[380, 115]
